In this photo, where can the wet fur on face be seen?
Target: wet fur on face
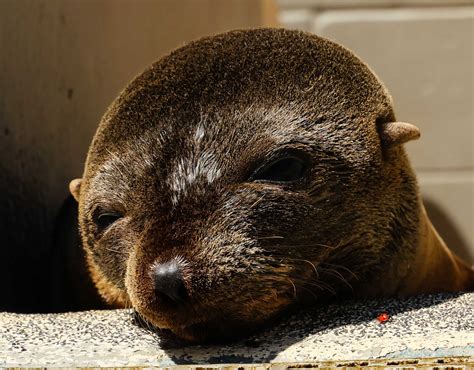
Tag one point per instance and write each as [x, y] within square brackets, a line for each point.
[175, 155]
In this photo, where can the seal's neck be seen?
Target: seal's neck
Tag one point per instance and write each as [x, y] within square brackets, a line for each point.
[435, 268]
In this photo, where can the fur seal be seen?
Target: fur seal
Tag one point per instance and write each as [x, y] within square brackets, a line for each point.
[251, 172]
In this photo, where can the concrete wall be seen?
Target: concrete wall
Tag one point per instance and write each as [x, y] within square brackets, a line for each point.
[61, 63]
[423, 51]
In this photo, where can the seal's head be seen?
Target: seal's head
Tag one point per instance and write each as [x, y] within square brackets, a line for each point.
[241, 174]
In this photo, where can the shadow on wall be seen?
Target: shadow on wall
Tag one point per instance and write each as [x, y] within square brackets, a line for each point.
[24, 236]
[449, 231]
[71, 286]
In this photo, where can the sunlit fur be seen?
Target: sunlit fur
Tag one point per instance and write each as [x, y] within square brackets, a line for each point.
[174, 154]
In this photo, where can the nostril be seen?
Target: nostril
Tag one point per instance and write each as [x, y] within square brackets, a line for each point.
[169, 281]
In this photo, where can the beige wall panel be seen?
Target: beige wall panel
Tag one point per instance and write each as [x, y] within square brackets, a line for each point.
[326, 4]
[298, 19]
[425, 57]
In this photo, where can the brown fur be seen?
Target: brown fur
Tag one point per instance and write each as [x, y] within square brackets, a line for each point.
[175, 152]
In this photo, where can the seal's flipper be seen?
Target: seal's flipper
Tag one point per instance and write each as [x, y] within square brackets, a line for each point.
[397, 133]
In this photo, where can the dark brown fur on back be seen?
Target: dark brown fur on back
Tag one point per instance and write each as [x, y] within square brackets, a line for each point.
[175, 155]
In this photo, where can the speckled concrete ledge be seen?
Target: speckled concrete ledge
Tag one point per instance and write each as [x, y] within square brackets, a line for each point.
[440, 326]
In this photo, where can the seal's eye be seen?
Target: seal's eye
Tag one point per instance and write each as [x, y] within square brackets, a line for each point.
[284, 169]
[104, 220]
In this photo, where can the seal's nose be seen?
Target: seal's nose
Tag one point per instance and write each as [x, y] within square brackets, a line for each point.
[169, 281]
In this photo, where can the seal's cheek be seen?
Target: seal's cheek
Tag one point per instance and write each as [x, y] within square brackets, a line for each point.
[110, 292]
[107, 255]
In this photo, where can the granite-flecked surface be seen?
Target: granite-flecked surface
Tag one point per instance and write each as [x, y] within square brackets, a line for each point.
[439, 325]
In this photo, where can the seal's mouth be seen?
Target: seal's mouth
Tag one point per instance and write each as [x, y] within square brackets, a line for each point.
[223, 321]
[169, 300]
[200, 331]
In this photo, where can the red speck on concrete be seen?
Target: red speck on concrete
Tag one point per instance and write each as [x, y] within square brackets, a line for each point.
[383, 317]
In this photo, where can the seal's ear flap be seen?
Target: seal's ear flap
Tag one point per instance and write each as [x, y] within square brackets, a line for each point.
[75, 187]
[397, 133]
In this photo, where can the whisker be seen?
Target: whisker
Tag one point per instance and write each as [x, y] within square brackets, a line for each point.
[257, 201]
[294, 288]
[316, 283]
[271, 237]
[306, 282]
[305, 245]
[307, 261]
[343, 268]
[321, 285]
[315, 296]
[145, 323]
[338, 275]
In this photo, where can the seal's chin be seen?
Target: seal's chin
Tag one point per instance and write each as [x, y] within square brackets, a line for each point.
[228, 312]
[203, 331]
[193, 324]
